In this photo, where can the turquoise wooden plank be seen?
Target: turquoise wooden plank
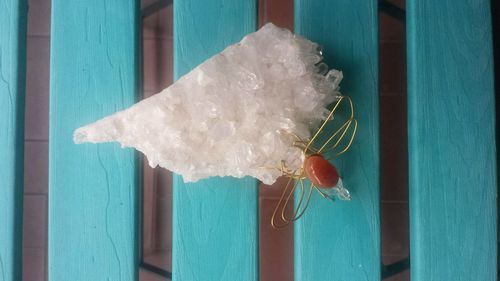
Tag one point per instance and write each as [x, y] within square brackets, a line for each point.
[451, 136]
[93, 189]
[341, 240]
[13, 14]
[215, 224]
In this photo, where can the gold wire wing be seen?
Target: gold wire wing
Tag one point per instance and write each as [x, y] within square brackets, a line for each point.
[286, 197]
[335, 145]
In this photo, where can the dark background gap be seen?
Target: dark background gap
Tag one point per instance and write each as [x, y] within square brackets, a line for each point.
[394, 212]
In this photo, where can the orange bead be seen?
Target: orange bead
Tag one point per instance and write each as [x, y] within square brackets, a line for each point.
[321, 172]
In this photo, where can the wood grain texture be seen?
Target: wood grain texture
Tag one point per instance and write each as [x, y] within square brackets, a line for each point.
[13, 14]
[341, 240]
[93, 189]
[215, 224]
[451, 141]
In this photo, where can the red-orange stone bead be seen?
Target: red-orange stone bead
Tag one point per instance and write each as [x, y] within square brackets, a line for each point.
[321, 172]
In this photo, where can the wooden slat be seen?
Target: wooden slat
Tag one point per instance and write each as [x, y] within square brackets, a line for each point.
[13, 14]
[215, 220]
[451, 141]
[93, 189]
[340, 240]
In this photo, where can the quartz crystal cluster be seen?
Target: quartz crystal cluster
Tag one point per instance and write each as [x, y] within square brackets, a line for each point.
[236, 114]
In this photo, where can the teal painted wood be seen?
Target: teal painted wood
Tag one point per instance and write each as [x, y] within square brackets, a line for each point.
[341, 240]
[451, 141]
[93, 189]
[215, 224]
[13, 14]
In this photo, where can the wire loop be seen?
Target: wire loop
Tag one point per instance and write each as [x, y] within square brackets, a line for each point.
[342, 139]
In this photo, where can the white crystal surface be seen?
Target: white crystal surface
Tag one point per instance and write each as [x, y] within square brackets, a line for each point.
[233, 115]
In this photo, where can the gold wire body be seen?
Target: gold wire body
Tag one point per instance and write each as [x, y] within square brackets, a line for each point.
[346, 131]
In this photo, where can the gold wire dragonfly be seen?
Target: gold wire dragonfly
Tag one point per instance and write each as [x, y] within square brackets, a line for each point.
[323, 176]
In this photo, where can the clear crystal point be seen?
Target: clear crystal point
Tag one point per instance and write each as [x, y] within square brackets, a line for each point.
[338, 191]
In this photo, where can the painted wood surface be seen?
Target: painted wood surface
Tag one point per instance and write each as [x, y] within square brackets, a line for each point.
[13, 14]
[453, 219]
[215, 224]
[341, 240]
[93, 189]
